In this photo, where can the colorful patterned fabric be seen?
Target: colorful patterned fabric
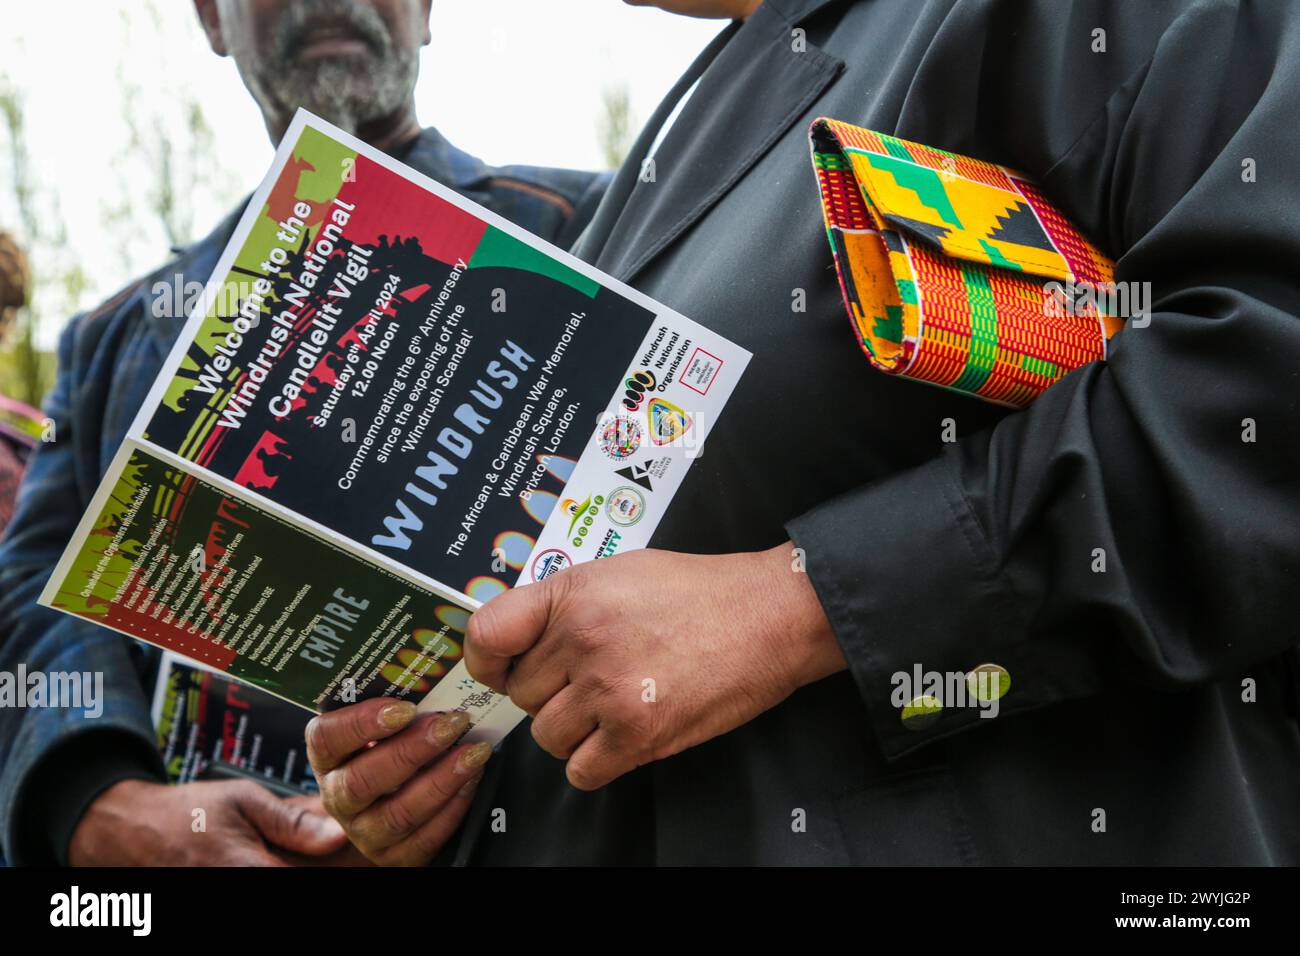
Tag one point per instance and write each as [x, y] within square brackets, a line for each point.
[955, 271]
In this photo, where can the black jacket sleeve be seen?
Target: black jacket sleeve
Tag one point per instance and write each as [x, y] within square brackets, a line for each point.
[1137, 529]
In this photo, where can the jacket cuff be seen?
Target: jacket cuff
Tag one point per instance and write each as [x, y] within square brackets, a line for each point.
[909, 582]
[63, 784]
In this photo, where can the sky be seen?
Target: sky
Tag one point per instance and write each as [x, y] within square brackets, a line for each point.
[513, 81]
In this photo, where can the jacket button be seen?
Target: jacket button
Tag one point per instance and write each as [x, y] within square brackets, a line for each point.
[921, 712]
[988, 682]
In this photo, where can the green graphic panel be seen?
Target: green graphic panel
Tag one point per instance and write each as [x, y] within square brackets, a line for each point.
[499, 249]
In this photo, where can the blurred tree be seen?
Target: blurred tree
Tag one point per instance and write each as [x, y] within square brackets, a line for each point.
[614, 128]
[165, 181]
[57, 278]
[171, 170]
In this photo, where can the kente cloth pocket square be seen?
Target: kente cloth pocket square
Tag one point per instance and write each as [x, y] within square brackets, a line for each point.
[956, 271]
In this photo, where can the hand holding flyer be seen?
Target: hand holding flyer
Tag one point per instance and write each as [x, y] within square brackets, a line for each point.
[389, 406]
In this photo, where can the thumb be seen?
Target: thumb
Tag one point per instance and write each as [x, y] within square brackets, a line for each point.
[295, 824]
[506, 627]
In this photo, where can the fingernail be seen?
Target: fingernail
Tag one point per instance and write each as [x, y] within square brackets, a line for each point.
[447, 728]
[474, 757]
[327, 828]
[397, 715]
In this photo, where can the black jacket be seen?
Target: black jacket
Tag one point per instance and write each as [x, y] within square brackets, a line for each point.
[1152, 713]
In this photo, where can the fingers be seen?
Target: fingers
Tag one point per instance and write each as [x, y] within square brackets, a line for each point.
[427, 841]
[352, 787]
[563, 723]
[598, 761]
[410, 826]
[332, 738]
[506, 627]
[538, 676]
[291, 825]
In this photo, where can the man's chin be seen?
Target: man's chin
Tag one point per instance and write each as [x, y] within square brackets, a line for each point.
[348, 91]
[338, 91]
[346, 116]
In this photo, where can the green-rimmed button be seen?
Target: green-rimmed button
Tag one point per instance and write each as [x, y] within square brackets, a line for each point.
[921, 712]
[988, 682]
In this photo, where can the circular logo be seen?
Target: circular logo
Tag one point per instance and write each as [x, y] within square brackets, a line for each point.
[636, 385]
[668, 422]
[620, 436]
[548, 562]
[625, 507]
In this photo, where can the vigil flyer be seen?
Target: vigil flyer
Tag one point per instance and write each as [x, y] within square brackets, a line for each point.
[388, 406]
[211, 727]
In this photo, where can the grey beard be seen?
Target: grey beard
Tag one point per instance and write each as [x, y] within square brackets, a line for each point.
[347, 92]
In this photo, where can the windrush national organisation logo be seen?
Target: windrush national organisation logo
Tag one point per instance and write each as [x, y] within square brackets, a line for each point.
[71, 690]
[102, 910]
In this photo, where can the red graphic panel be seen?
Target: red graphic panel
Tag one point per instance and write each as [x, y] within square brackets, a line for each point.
[389, 205]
